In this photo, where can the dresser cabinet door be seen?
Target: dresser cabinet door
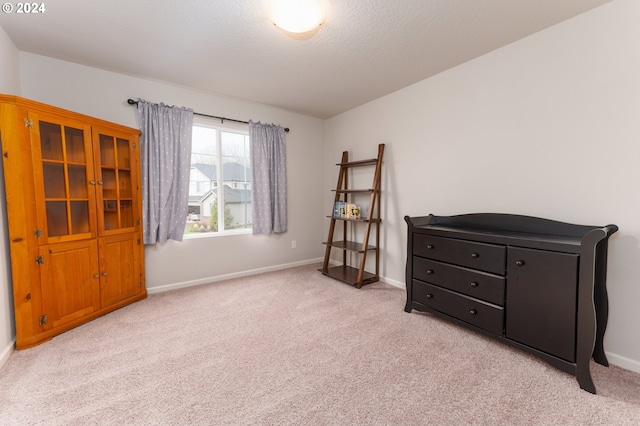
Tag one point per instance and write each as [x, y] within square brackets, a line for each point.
[541, 300]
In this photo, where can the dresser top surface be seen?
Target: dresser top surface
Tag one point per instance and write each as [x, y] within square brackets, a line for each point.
[524, 231]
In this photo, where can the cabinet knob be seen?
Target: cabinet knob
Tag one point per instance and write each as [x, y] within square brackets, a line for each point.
[473, 312]
[520, 262]
[430, 246]
[429, 271]
[96, 276]
[100, 182]
[104, 274]
[474, 284]
[429, 296]
[475, 255]
[92, 182]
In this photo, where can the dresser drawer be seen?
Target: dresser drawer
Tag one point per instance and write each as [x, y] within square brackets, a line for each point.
[464, 308]
[481, 285]
[485, 257]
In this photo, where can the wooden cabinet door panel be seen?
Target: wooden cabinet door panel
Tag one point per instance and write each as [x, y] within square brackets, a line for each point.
[64, 177]
[120, 270]
[70, 286]
[117, 165]
[541, 300]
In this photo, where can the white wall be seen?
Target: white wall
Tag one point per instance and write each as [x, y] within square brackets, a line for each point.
[199, 260]
[10, 69]
[548, 126]
[9, 85]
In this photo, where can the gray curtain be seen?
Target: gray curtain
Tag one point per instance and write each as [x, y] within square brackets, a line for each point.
[166, 162]
[269, 174]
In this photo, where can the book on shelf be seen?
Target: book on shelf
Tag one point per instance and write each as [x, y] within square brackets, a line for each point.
[336, 209]
[353, 212]
[344, 210]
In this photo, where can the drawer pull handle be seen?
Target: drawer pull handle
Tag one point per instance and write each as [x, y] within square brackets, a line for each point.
[474, 284]
[520, 262]
[473, 312]
[475, 255]
[429, 246]
[429, 271]
[429, 296]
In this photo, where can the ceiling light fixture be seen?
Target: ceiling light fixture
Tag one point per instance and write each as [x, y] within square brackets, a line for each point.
[297, 16]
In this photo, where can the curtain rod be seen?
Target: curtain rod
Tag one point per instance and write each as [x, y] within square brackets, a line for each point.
[222, 119]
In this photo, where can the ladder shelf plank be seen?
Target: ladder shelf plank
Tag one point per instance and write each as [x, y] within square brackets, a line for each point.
[349, 275]
[369, 162]
[362, 219]
[349, 246]
[353, 191]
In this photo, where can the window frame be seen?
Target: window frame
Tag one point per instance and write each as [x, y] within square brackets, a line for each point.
[219, 127]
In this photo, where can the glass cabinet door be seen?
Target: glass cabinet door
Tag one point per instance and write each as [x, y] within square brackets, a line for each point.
[116, 179]
[63, 167]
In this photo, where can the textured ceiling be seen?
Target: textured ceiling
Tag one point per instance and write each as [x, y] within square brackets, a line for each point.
[365, 48]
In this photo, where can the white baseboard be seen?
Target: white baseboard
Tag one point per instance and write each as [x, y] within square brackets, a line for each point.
[208, 280]
[6, 352]
[623, 362]
[399, 284]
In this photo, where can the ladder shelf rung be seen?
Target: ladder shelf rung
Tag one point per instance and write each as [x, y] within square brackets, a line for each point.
[374, 220]
[350, 246]
[354, 191]
[369, 162]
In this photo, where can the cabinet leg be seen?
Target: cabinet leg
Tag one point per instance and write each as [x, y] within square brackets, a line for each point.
[408, 275]
[585, 346]
[598, 351]
[585, 381]
[601, 301]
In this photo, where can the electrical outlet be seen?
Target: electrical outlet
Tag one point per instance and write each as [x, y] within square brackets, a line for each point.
[293, 244]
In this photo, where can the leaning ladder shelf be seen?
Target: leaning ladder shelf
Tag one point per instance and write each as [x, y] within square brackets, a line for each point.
[345, 272]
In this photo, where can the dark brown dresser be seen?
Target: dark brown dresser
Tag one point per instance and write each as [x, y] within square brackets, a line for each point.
[536, 284]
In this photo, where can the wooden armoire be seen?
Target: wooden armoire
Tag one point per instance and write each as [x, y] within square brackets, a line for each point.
[73, 195]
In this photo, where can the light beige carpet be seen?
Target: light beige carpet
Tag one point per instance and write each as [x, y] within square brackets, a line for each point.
[295, 348]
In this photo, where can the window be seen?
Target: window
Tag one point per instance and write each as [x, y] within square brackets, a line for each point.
[220, 181]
